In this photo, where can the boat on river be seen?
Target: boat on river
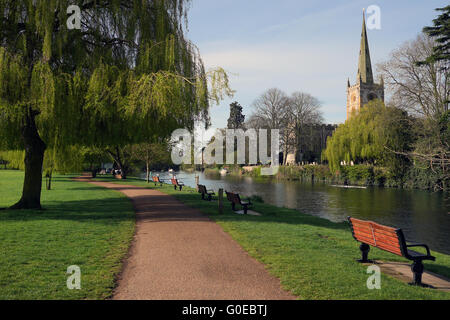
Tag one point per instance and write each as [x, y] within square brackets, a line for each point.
[348, 187]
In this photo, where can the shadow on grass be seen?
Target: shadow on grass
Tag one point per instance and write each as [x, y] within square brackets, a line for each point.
[98, 211]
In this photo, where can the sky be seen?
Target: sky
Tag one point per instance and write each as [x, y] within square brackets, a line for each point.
[298, 45]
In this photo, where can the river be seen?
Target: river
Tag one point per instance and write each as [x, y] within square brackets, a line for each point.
[424, 216]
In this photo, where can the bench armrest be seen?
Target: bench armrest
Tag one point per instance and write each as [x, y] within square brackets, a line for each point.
[420, 245]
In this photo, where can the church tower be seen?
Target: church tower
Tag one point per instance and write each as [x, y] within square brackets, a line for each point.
[365, 88]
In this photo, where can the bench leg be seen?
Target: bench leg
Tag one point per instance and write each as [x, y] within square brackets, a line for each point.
[365, 248]
[245, 209]
[233, 206]
[203, 196]
[209, 197]
[417, 268]
[181, 187]
[175, 187]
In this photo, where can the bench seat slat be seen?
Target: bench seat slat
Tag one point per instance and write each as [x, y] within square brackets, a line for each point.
[386, 239]
[384, 228]
[365, 239]
[391, 249]
[372, 226]
[363, 229]
[363, 234]
[382, 235]
[378, 240]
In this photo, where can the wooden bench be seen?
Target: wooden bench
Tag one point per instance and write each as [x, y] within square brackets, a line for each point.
[205, 192]
[389, 239]
[235, 199]
[176, 183]
[157, 180]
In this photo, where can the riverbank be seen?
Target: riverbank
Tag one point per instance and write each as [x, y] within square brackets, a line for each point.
[357, 175]
[313, 257]
[82, 225]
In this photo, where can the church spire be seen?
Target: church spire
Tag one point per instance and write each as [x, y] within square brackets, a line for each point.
[365, 74]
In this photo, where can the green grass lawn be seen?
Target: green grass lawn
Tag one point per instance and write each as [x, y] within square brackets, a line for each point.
[313, 257]
[81, 225]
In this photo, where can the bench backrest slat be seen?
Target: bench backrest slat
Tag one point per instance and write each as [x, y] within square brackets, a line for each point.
[376, 235]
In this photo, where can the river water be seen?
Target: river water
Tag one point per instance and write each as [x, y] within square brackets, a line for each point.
[424, 216]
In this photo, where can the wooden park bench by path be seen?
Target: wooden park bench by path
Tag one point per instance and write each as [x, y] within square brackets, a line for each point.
[235, 199]
[176, 183]
[157, 180]
[392, 240]
[205, 192]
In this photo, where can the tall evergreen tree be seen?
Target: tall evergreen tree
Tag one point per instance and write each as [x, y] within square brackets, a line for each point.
[127, 75]
[236, 119]
[440, 31]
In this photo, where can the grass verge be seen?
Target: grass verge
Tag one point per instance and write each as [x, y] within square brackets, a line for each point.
[313, 257]
[81, 225]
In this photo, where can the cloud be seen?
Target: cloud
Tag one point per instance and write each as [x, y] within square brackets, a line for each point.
[317, 19]
[286, 66]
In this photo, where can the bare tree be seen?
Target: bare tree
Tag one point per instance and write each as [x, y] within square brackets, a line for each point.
[275, 110]
[304, 109]
[421, 89]
[271, 111]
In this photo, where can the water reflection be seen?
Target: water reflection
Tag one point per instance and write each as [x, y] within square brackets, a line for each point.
[423, 216]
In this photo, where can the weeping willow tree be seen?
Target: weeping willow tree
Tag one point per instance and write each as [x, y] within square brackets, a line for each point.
[126, 76]
[369, 138]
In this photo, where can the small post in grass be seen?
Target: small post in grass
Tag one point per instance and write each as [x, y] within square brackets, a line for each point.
[197, 181]
[220, 201]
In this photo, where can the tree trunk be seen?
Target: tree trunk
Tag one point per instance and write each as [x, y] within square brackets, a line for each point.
[118, 160]
[34, 158]
[48, 180]
[148, 172]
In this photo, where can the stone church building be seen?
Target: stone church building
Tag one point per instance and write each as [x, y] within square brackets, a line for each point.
[365, 88]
